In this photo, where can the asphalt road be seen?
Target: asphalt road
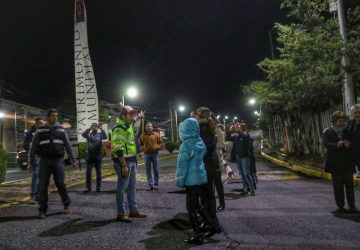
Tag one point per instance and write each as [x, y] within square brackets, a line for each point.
[288, 212]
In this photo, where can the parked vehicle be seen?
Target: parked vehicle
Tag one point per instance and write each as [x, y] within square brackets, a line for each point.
[21, 159]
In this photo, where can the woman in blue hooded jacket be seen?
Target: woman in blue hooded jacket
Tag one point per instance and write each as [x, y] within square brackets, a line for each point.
[190, 171]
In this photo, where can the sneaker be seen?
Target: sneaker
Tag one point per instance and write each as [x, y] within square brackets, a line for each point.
[221, 207]
[341, 210]
[66, 210]
[32, 200]
[137, 214]
[98, 190]
[149, 188]
[156, 187]
[123, 218]
[42, 215]
[353, 210]
[87, 190]
[252, 193]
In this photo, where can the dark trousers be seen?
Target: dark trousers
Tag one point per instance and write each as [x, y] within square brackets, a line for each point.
[341, 181]
[93, 161]
[207, 197]
[219, 187]
[193, 205]
[55, 167]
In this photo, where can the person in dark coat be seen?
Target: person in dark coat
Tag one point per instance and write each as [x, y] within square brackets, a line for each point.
[354, 130]
[339, 161]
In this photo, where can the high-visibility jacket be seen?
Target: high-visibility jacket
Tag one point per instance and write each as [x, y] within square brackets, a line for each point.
[123, 139]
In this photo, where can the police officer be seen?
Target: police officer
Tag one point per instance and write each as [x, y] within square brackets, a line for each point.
[50, 142]
[124, 152]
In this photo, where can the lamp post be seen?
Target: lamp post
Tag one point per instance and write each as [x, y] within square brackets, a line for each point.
[131, 92]
[181, 109]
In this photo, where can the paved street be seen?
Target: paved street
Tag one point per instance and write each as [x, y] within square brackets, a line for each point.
[288, 212]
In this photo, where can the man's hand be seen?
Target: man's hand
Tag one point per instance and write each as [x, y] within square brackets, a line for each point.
[29, 168]
[141, 115]
[347, 143]
[340, 144]
[74, 164]
[125, 171]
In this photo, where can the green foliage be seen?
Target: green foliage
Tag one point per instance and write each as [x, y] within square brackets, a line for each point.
[3, 163]
[171, 146]
[307, 75]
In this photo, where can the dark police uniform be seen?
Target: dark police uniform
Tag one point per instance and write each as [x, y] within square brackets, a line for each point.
[50, 143]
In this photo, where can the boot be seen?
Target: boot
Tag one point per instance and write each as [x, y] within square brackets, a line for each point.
[196, 238]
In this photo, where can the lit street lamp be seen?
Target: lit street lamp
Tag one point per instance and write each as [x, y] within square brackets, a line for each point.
[131, 92]
[181, 109]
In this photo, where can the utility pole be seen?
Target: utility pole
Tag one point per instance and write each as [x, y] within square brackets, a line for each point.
[171, 123]
[348, 86]
[271, 45]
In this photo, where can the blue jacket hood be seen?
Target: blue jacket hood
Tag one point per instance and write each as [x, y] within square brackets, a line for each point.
[189, 129]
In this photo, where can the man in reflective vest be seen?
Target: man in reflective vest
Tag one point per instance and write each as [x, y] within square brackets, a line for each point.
[123, 146]
[49, 143]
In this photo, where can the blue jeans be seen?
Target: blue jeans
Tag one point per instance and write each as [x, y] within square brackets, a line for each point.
[93, 161]
[55, 167]
[128, 183]
[152, 159]
[35, 177]
[243, 165]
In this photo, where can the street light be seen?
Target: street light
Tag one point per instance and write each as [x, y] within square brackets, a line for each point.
[226, 117]
[131, 92]
[252, 101]
[218, 117]
[181, 109]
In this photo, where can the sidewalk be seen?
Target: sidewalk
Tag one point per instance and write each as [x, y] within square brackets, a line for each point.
[307, 168]
[15, 192]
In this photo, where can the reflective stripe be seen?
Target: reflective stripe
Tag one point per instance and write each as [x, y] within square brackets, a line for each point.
[44, 142]
[118, 145]
[43, 130]
[58, 141]
[119, 137]
[61, 130]
[129, 155]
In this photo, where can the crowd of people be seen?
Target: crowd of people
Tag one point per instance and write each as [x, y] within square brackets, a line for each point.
[200, 162]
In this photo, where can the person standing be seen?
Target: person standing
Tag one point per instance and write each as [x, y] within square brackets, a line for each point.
[220, 146]
[49, 143]
[35, 164]
[241, 143]
[212, 166]
[94, 136]
[339, 161]
[354, 130]
[191, 173]
[151, 143]
[123, 146]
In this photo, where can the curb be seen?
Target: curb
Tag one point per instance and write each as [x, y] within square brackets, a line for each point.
[82, 181]
[304, 170]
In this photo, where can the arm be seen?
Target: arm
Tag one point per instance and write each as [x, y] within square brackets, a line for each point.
[160, 142]
[103, 135]
[68, 147]
[33, 148]
[327, 142]
[85, 134]
[182, 166]
[118, 147]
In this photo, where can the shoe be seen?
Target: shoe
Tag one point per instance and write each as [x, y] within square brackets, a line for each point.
[212, 231]
[156, 187]
[66, 210]
[221, 207]
[243, 192]
[137, 215]
[98, 190]
[252, 193]
[341, 210]
[353, 210]
[149, 188]
[123, 218]
[195, 239]
[42, 215]
[87, 190]
[32, 200]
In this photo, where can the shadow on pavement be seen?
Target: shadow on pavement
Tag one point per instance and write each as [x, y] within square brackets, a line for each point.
[94, 193]
[180, 191]
[22, 218]
[74, 226]
[352, 217]
[170, 234]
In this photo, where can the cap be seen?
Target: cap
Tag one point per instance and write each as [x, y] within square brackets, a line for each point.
[128, 110]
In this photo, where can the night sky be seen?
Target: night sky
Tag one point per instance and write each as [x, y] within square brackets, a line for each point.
[196, 53]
